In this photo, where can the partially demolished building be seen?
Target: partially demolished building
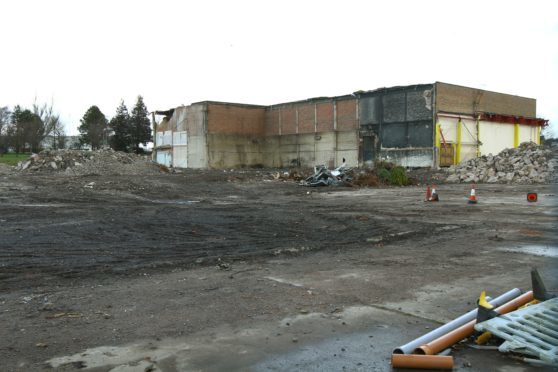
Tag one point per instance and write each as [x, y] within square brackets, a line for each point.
[425, 125]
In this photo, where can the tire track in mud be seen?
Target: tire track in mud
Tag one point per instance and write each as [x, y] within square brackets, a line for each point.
[126, 225]
[90, 238]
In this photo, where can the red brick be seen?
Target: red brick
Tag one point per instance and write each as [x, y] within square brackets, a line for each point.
[271, 122]
[306, 118]
[325, 116]
[288, 120]
[232, 119]
[346, 115]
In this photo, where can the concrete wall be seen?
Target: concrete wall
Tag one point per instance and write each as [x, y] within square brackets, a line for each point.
[188, 119]
[313, 132]
[195, 126]
[464, 100]
[234, 150]
[493, 136]
[408, 157]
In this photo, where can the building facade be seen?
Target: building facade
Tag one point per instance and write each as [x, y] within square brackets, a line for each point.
[426, 125]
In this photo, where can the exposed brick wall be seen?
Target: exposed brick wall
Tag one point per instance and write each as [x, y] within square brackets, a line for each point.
[272, 122]
[288, 120]
[232, 119]
[346, 115]
[306, 118]
[325, 116]
[455, 98]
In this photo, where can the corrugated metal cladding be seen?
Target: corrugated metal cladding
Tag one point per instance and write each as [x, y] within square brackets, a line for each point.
[399, 117]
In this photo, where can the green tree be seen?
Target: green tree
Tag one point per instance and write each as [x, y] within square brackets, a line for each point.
[94, 127]
[140, 125]
[28, 130]
[121, 139]
[4, 129]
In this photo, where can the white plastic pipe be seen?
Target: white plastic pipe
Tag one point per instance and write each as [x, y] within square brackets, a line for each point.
[456, 323]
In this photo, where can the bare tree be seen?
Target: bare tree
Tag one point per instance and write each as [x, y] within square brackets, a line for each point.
[58, 136]
[49, 119]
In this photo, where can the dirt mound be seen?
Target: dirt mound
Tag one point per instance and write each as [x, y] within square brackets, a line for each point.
[529, 163]
[78, 162]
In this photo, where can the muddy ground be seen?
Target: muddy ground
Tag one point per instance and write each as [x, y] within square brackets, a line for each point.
[214, 271]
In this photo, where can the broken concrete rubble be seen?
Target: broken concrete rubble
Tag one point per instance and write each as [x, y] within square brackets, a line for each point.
[78, 162]
[529, 163]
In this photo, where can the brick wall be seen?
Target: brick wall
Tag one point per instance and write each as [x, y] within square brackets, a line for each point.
[271, 124]
[310, 117]
[305, 118]
[346, 115]
[235, 119]
[455, 98]
[288, 120]
[324, 116]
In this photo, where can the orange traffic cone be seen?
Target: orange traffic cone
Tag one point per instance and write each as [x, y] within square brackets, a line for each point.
[473, 197]
[428, 193]
[434, 196]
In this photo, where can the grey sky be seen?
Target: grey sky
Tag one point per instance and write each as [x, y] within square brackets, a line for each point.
[83, 53]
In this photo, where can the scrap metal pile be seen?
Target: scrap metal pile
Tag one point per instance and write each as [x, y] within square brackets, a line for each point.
[324, 177]
[527, 323]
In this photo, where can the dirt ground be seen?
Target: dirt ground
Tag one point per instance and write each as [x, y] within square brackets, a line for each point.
[234, 271]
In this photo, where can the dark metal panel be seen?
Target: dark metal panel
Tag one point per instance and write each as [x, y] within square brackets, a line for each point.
[370, 110]
[394, 135]
[368, 148]
[402, 116]
[394, 107]
[419, 105]
[420, 134]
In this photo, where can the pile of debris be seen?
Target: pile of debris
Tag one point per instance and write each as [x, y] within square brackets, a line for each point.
[78, 162]
[529, 163]
[324, 177]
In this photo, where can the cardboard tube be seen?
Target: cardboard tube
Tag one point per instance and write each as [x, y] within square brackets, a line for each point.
[466, 330]
[421, 361]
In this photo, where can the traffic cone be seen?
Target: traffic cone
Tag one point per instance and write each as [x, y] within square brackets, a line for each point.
[428, 193]
[434, 196]
[473, 197]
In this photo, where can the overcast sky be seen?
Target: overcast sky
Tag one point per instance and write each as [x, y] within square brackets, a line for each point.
[83, 53]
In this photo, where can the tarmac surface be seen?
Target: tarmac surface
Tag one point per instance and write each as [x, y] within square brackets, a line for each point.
[213, 270]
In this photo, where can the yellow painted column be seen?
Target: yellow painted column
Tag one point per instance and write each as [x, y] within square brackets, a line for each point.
[437, 136]
[454, 153]
[538, 135]
[516, 135]
[437, 144]
[458, 150]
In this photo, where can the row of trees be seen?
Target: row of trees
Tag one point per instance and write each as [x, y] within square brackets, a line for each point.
[25, 129]
[124, 132]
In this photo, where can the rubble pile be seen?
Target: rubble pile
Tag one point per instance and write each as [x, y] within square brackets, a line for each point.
[529, 163]
[78, 162]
